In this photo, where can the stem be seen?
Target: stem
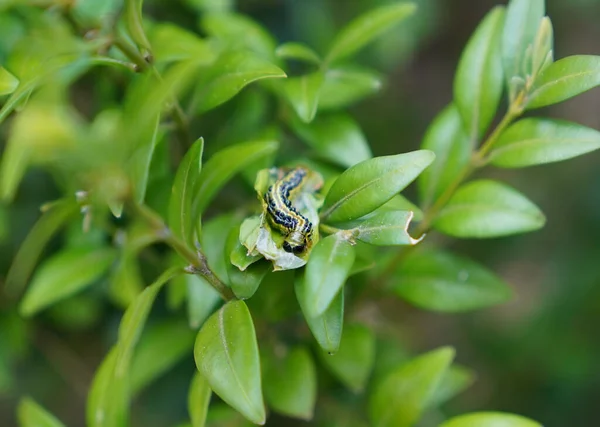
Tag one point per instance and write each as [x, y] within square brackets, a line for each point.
[329, 229]
[197, 260]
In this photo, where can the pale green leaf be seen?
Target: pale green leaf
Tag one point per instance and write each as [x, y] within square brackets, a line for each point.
[298, 52]
[8, 82]
[490, 419]
[31, 414]
[198, 400]
[346, 85]
[303, 94]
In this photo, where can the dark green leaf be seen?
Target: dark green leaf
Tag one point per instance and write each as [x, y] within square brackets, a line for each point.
[181, 220]
[290, 383]
[170, 341]
[362, 30]
[229, 75]
[303, 94]
[490, 419]
[485, 208]
[353, 363]
[227, 356]
[221, 167]
[564, 79]
[108, 399]
[327, 328]
[8, 82]
[326, 271]
[455, 380]
[446, 138]
[29, 252]
[335, 137]
[240, 32]
[198, 400]
[534, 141]
[133, 22]
[343, 86]
[31, 414]
[298, 52]
[444, 282]
[369, 184]
[522, 20]
[479, 80]
[385, 228]
[399, 399]
[65, 274]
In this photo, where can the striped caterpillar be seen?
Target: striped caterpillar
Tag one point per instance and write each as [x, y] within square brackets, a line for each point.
[283, 216]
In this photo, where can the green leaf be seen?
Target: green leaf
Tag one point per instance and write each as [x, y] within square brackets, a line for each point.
[479, 80]
[63, 275]
[213, 240]
[364, 29]
[543, 54]
[446, 138]
[335, 137]
[222, 166]
[401, 396]
[30, 414]
[344, 86]
[229, 75]
[198, 400]
[290, 383]
[298, 52]
[108, 399]
[8, 82]
[50, 222]
[240, 32]
[227, 356]
[369, 184]
[133, 22]
[138, 164]
[455, 380]
[489, 419]
[353, 363]
[444, 282]
[384, 228]
[172, 340]
[201, 297]
[181, 220]
[327, 328]
[303, 93]
[171, 43]
[326, 271]
[485, 208]
[534, 141]
[522, 20]
[564, 79]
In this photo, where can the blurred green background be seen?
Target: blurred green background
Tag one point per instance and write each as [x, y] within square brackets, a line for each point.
[536, 355]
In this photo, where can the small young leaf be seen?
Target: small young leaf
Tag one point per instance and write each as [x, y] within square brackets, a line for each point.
[291, 384]
[29, 252]
[8, 82]
[303, 93]
[327, 328]
[108, 399]
[543, 46]
[353, 363]
[564, 79]
[227, 356]
[522, 20]
[182, 194]
[446, 138]
[490, 419]
[369, 184]
[63, 275]
[229, 75]
[198, 400]
[222, 166]
[366, 28]
[31, 414]
[485, 208]
[384, 228]
[335, 137]
[455, 380]
[297, 52]
[326, 271]
[444, 282]
[133, 22]
[401, 396]
[479, 81]
[344, 86]
[534, 141]
[171, 340]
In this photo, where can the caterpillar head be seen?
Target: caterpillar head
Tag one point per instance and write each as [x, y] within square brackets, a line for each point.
[296, 242]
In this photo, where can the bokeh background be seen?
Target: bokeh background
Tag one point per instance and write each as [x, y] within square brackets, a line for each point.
[536, 355]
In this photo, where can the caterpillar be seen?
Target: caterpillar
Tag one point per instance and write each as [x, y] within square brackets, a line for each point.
[283, 216]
